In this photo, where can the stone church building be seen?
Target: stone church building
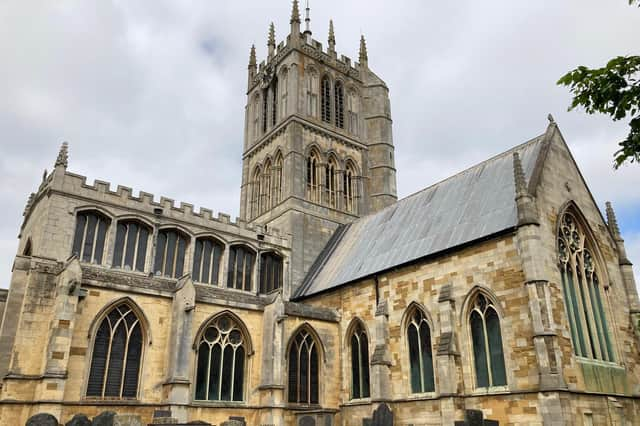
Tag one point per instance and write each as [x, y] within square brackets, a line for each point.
[502, 288]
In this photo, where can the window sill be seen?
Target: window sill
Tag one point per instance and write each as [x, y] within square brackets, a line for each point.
[356, 402]
[421, 396]
[598, 362]
[492, 390]
[220, 404]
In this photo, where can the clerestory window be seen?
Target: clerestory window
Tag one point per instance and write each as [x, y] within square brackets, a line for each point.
[171, 248]
[206, 260]
[240, 272]
[270, 272]
[130, 251]
[90, 236]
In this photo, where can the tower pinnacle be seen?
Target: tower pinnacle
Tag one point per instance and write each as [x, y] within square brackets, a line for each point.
[252, 56]
[271, 43]
[364, 57]
[307, 21]
[332, 38]
[518, 175]
[295, 13]
[63, 156]
[612, 221]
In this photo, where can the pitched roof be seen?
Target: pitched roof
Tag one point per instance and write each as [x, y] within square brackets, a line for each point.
[474, 204]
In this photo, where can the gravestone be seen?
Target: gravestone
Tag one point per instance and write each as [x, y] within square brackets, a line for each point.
[382, 416]
[79, 420]
[475, 418]
[42, 419]
[307, 421]
[105, 418]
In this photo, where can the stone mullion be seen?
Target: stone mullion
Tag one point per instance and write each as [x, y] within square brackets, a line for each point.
[339, 192]
[581, 317]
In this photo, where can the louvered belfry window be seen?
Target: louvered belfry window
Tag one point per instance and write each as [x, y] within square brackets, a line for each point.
[420, 354]
[240, 271]
[487, 344]
[90, 236]
[221, 361]
[326, 100]
[303, 369]
[170, 252]
[583, 294]
[359, 363]
[339, 107]
[130, 251]
[117, 351]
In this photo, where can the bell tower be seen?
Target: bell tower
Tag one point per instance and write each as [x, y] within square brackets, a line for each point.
[318, 145]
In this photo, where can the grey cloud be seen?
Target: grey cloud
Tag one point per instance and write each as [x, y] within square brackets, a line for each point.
[150, 94]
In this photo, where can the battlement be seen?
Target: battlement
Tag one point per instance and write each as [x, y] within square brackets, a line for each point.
[101, 194]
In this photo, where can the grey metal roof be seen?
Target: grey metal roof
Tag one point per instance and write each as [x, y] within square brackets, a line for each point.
[473, 204]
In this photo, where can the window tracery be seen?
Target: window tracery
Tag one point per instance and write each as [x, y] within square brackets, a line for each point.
[206, 260]
[583, 293]
[313, 177]
[486, 340]
[270, 272]
[240, 271]
[326, 99]
[130, 251]
[420, 353]
[303, 369]
[171, 247]
[90, 236]
[117, 351]
[221, 359]
[339, 104]
[359, 363]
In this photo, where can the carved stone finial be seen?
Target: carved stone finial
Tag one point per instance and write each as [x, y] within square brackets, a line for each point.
[518, 175]
[612, 221]
[295, 12]
[63, 156]
[332, 36]
[364, 56]
[551, 119]
[272, 36]
[252, 56]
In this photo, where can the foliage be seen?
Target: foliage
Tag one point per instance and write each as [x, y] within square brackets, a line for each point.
[613, 90]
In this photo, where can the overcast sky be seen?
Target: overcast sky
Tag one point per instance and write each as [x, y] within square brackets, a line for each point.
[151, 94]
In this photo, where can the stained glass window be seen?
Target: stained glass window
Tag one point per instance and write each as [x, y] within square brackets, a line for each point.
[420, 355]
[486, 339]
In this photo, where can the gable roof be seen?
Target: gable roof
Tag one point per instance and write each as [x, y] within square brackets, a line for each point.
[472, 205]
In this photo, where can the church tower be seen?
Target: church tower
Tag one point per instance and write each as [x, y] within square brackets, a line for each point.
[318, 146]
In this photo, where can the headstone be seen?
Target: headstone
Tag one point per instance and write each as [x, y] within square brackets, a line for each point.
[127, 420]
[307, 421]
[42, 419]
[367, 422]
[79, 420]
[239, 419]
[474, 418]
[105, 418]
[382, 416]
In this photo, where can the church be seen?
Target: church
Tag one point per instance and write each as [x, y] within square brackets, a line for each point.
[502, 291]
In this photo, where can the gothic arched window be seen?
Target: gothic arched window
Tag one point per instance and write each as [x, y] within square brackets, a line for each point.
[326, 99]
[206, 260]
[220, 368]
[339, 107]
[117, 351]
[265, 188]
[270, 272]
[90, 235]
[171, 248]
[130, 251]
[313, 177]
[241, 262]
[303, 369]
[353, 106]
[349, 188]
[256, 117]
[312, 93]
[265, 112]
[420, 354]
[274, 101]
[583, 293]
[255, 193]
[359, 363]
[331, 182]
[487, 343]
[284, 92]
[277, 180]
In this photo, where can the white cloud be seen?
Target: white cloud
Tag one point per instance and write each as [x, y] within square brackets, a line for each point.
[150, 94]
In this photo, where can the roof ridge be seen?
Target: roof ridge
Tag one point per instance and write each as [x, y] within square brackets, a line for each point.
[502, 154]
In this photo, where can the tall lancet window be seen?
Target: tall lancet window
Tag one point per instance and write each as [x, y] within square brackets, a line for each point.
[115, 360]
[349, 188]
[221, 358]
[339, 104]
[420, 354]
[359, 363]
[353, 106]
[266, 187]
[90, 236]
[256, 181]
[277, 180]
[312, 92]
[304, 371]
[487, 343]
[265, 110]
[583, 292]
[326, 99]
[256, 117]
[331, 182]
[284, 92]
[274, 101]
[313, 177]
